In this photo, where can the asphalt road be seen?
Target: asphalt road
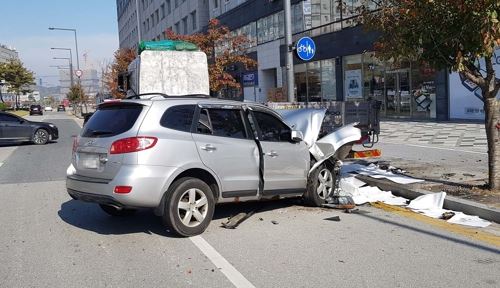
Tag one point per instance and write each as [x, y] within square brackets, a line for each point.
[49, 240]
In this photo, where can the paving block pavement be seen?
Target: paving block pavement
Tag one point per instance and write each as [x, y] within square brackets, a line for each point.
[448, 135]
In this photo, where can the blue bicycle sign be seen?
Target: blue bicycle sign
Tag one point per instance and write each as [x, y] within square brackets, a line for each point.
[305, 48]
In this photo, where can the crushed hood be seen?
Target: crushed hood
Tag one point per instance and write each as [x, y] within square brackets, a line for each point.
[309, 122]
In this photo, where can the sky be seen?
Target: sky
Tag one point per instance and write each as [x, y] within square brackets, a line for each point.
[24, 25]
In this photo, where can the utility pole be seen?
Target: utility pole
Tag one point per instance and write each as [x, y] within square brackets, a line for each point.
[289, 51]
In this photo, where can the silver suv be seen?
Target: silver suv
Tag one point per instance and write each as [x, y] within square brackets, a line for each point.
[182, 155]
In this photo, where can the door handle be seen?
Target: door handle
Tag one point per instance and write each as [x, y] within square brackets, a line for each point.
[272, 154]
[208, 148]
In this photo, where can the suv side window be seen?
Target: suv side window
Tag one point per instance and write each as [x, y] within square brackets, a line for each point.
[221, 122]
[178, 117]
[271, 128]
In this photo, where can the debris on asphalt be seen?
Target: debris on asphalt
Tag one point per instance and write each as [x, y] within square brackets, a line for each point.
[468, 175]
[333, 218]
[447, 215]
[233, 222]
[275, 222]
[261, 219]
[448, 175]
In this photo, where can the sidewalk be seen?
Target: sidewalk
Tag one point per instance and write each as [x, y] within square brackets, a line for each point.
[448, 135]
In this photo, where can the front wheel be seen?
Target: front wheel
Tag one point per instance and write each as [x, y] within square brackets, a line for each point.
[189, 207]
[41, 137]
[320, 185]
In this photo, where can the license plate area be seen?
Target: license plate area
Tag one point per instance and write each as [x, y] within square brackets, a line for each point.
[88, 160]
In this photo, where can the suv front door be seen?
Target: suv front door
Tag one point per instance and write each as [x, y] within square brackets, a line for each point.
[286, 163]
[224, 146]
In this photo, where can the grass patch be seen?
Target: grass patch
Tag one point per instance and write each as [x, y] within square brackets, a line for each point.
[20, 113]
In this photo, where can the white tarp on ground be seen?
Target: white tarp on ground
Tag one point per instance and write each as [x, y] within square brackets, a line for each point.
[373, 171]
[430, 205]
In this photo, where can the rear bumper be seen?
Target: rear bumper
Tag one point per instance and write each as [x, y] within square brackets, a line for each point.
[147, 184]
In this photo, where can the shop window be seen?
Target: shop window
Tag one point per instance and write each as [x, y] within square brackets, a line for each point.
[328, 81]
[353, 85]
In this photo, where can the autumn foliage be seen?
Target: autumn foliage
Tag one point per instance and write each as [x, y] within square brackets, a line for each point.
[123, 57]
[456, 35]
[223, 50]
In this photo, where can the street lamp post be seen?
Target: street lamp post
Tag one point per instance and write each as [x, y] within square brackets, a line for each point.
[76, 43]
[70, 62]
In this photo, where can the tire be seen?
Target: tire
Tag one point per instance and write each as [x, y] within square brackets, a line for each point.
[41, 137]
[113, 211]
[320, 184]
[197, 209]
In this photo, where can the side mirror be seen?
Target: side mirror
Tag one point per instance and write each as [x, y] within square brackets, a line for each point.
[297, 136]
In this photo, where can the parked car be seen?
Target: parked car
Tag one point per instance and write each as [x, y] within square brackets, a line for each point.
[36, 109]
[48, 108]
[61, 108]
[14, 129]
[181, 156]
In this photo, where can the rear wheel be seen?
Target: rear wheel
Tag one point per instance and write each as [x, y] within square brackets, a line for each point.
[320, 184]
[113, 211]
[41, 137]
[189, 206]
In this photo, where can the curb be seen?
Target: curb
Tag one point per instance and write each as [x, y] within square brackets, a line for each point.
[450, 202]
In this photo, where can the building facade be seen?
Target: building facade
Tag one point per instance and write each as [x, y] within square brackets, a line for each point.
[344, 67]
[7, 53]
[140, 20]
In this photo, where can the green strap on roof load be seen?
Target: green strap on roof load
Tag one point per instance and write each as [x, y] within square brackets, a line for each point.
[167, 45]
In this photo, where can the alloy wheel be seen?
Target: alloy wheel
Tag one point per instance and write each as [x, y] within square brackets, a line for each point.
[41, 136]
[192, 207]
[325, 186]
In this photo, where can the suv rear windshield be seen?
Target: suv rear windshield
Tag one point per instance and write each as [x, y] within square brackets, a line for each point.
[111, 120]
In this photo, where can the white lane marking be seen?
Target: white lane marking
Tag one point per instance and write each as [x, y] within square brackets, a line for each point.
[1, 163]
[439, 148]
[224, 266]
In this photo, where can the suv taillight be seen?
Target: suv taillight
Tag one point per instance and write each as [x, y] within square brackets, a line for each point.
[132, 144]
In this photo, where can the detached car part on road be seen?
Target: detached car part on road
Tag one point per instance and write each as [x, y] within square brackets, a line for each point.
[14, 129]
[183, 155]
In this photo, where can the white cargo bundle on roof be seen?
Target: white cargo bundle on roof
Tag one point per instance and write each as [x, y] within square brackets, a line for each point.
[174, 73]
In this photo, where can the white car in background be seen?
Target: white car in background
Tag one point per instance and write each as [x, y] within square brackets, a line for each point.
[48, 108]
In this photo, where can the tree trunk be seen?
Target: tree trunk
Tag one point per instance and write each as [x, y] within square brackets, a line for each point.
[492, 125]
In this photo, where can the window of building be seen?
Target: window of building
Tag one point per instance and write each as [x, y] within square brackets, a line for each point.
[147, 24]
[177, 28]
[185, 25]
[162, 11]
[193, 20]
[216, 3]
[152, 20]
[169, 7]
[176, 3]
[157, 15]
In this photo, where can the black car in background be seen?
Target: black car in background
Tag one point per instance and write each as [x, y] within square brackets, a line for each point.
[61, 108]
[36, 109]
[14, 129]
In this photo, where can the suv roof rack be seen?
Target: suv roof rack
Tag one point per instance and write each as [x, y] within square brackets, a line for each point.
[153, 95]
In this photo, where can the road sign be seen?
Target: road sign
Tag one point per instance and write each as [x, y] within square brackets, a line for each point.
[250, 79]
[305, 48]
[78, 73]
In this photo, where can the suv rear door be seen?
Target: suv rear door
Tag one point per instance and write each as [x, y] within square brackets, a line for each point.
[224, 146]
[286, 163]
[109, 123]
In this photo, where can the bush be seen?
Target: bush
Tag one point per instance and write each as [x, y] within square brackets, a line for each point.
[3, 107]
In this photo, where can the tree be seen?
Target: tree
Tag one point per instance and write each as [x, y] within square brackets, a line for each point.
[123, 57]
[17, 78]
[223, 49]
[76, 94]
[447, 34]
